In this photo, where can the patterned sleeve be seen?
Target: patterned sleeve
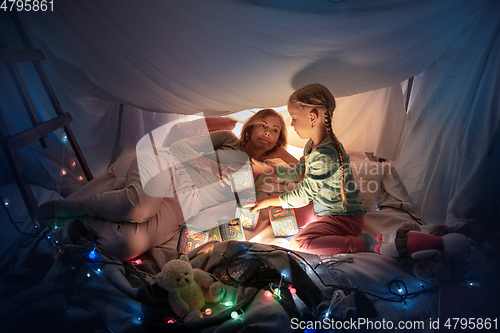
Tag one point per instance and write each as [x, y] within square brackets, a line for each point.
[290, 174]
[318, 170]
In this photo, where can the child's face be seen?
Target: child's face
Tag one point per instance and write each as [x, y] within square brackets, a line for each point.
[266, 133]
[301, 122]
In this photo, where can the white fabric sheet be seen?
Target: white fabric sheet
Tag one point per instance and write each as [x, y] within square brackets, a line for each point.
[450, 155]
[223, 56]
[187, 56]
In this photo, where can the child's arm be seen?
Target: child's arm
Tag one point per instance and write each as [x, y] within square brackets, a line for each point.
[294, 174]
[281, 153]
[259, 167]
[265, 202]
[277, 172]
[319, 170]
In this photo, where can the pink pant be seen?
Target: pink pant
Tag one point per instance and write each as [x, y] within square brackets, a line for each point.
[327, 234]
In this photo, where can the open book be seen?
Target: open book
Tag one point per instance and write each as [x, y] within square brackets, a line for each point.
[225, 230]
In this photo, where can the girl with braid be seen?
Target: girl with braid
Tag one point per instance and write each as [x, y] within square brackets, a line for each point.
[326, 203]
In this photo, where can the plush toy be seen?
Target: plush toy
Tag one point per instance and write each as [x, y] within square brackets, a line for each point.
[188, 288]
[440, 256]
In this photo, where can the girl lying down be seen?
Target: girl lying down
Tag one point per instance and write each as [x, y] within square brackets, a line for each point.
[127, 221]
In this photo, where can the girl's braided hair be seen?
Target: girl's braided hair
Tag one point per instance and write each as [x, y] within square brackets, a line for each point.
[321, 99]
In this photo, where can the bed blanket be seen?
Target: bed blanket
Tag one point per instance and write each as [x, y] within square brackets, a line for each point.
[59, 282]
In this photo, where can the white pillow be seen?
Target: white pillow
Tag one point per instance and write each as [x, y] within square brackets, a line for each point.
[379, 184]
[393, 185]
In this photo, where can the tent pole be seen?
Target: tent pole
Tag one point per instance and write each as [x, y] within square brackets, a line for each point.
[117, 150]
[408, 92]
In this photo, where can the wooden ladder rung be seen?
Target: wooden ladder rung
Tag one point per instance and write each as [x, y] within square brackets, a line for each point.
[12, 143]
[52, 96]
[26, 137]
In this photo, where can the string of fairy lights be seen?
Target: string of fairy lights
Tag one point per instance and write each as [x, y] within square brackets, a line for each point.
[92, 257]
[93, 261]
[67, 168]
[396, 287]
[73, 165]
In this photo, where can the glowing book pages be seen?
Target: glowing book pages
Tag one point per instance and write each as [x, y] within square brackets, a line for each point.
[231, 230]
[243, 186]
[225, 230]
[283, 222]
[242, 180]
[248, 220]
[190, 239]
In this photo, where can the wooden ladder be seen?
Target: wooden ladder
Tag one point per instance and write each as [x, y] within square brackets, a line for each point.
[12, 143]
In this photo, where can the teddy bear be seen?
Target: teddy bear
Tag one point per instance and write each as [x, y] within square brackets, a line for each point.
[438, 256]
[188, 288]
